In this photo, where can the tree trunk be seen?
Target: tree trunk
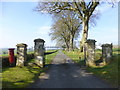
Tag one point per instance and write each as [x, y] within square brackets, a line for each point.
[84, 34]
[71, 43]
[67, 45]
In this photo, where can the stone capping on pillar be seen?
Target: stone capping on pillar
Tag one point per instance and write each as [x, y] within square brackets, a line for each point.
[90, 40]
[22, 45]
[39, 40]
[107, 45]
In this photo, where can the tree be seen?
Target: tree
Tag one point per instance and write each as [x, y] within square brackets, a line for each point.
[83, 9]
[73, 24]
[68, 26]
[60, 34]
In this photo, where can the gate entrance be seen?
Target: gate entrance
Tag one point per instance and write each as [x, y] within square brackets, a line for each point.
[52, 48]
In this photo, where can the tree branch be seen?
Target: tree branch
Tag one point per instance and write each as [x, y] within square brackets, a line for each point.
[79, 10]
[92, 7]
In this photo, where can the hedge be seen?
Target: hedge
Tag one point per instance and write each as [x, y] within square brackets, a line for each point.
[5, 60]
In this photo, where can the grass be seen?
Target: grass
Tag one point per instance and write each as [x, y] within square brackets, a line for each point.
[98, 54]
[21, 77]
[76, 56]
[17, 77]
[109, 72]
[49, 57]
[31, 52]
[50, 51]
[4, 55]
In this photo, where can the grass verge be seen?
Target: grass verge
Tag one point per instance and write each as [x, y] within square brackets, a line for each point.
[49, 57]
[109, 72]
[16, 77]
[21, 77]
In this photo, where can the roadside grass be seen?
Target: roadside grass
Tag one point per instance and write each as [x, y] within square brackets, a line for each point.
[50, 50]
[16, 77]
[109, 72]
[21, 77]
[98, 54]
[31, 52]
[49, 57]
[76, 56]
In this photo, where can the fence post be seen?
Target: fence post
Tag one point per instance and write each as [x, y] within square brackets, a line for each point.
[90, 52]
[39, 51]
[21, 54]
[106, 52]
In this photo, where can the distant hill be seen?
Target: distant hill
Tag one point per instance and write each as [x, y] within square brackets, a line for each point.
[3, 50]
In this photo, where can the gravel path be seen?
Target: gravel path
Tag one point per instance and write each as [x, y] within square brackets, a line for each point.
[63, 73]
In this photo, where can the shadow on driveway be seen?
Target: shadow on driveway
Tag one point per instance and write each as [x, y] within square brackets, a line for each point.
[46, 53]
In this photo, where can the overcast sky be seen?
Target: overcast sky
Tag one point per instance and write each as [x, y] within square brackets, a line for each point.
[20, 24]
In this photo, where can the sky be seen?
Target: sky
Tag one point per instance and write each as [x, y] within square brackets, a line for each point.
[19, 23]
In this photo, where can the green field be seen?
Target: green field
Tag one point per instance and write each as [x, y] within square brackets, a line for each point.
[20, 77]
[109, 72]
[2, 55]
[14, 54]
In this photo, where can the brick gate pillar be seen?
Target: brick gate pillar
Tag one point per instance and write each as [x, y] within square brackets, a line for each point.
[21, 54]
[39, 51]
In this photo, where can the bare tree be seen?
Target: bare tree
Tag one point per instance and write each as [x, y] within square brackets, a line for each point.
[68, 26]
[59, 32]
[84, 9]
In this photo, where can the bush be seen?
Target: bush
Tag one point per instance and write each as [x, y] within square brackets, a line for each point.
[30, 56]
[5, 60]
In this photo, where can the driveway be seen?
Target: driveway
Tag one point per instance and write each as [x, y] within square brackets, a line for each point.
[64, 73]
